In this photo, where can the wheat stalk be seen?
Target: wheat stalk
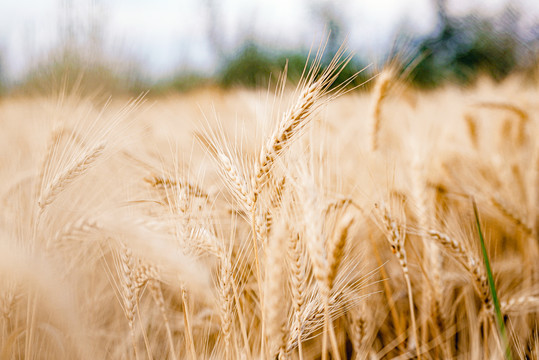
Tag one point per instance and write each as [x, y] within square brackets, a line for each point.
[187, 323]
[336, 249]
[157, 294]
[432, 295]
[236, 182]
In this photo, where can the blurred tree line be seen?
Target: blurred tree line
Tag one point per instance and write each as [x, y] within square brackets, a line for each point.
[460, 49]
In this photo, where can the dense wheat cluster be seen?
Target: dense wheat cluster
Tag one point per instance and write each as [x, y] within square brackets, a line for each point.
[299, 224]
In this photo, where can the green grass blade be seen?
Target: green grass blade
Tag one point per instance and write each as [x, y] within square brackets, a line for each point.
[495, 300]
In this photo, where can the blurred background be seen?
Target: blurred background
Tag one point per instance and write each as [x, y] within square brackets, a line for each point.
[127, 46]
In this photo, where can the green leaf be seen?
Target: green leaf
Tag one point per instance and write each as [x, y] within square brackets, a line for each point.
[495, 300]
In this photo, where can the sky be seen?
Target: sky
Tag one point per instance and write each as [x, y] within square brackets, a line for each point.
[166, 35]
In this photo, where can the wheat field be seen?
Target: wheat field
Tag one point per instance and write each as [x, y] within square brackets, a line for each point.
[301, 222]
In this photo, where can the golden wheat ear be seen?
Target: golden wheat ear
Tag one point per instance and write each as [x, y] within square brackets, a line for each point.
[313, 90]
[69, 175]
[380, 93]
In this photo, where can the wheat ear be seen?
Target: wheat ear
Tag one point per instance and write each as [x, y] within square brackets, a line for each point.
[318, 256]
[247, 200]
[73, 231]
[521, 302]
[380, 92]
[298, 284]
[239, 187]
[291, 123]
[518, 111]
[396, 240]
[471, 263]
[192, 189]
[473, 131]
[69, 175]
[273, 297]
[336, 249]
[298, 116]
[357, 328]
[225, 292]
[52, 147]
[511, 215]
[236, 182]
[129, 289]
[7, 306]
[275, 203]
